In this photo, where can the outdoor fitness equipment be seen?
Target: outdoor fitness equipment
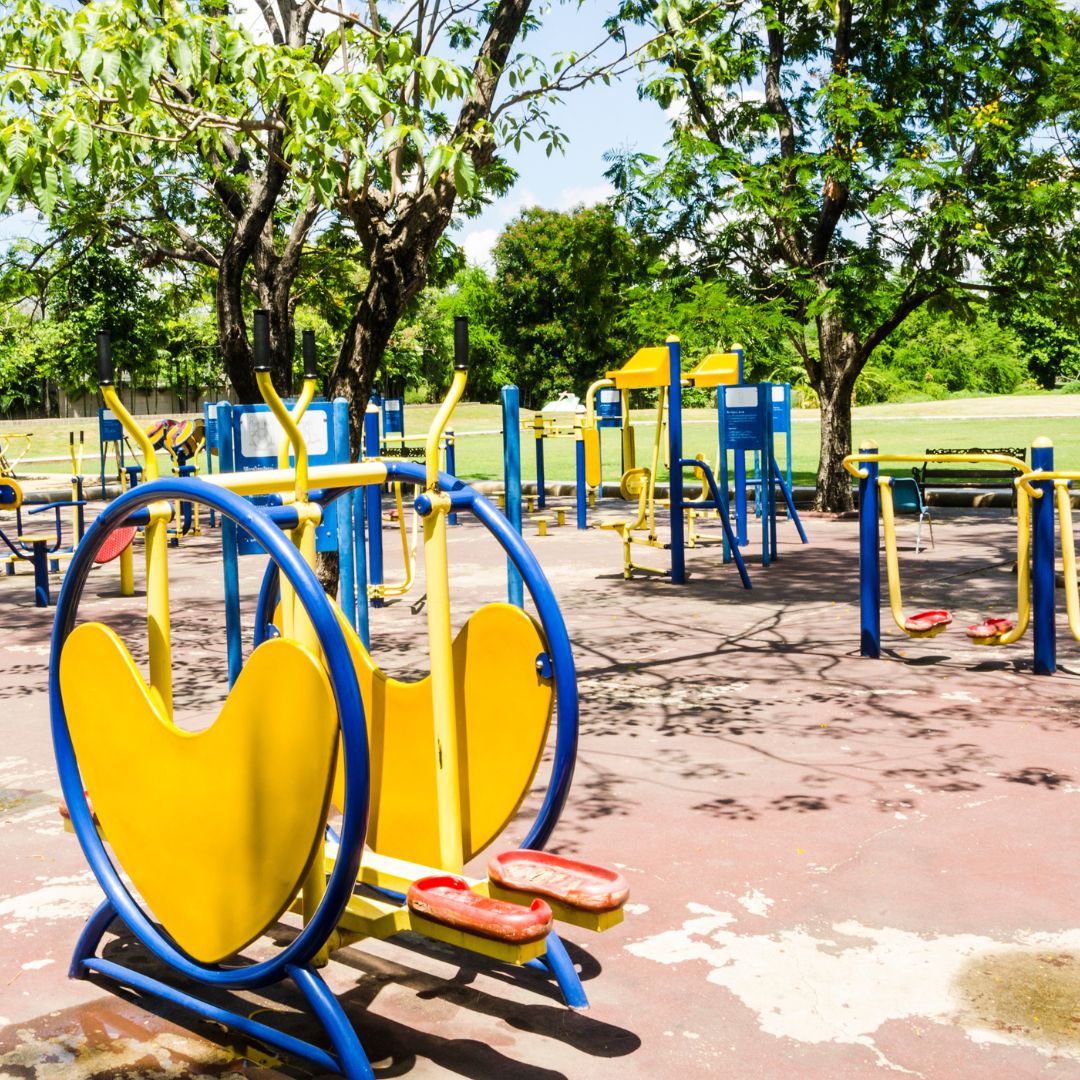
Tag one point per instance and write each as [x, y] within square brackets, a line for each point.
[657, 369]
[1034, 544]
[9, 458]
[222, 831]
[43, 550]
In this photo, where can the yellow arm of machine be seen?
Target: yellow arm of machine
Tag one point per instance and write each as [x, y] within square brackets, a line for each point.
[159, 632]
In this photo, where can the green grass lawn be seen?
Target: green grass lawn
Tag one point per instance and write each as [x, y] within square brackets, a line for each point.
[906, 429]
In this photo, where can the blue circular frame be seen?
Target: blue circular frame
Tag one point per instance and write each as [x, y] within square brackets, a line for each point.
[350, 711]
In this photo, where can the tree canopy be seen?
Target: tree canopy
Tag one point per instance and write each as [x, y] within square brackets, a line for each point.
[857, 160]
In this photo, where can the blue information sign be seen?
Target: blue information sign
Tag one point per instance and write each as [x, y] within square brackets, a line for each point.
[744, 417]
[256, 436]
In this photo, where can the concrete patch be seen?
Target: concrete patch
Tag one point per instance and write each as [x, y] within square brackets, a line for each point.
[843, 987]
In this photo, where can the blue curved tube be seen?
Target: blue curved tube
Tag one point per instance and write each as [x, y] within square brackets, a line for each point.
[350, 715]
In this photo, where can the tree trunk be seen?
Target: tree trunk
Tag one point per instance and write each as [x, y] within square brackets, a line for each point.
[837, 369]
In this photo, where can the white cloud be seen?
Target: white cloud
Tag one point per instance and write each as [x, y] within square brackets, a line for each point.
[478, 245]
[570, 197]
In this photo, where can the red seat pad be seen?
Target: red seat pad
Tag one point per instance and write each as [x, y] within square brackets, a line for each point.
[576, 884]
[115, 543]
[927, 620]
[449, 900]
[990, 628]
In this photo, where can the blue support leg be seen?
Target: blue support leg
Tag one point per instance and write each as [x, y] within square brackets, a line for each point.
[90, 938]
[1042, 570]
[869, 558]
[40, 558]
[557, 961]
[343, 1037]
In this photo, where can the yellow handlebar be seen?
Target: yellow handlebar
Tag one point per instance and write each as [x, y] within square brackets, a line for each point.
[291, 428]
[438, 426]
[149, 454]
[851, 461]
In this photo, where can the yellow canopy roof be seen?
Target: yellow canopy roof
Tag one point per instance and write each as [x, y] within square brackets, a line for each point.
[645, 370]
[716, 369]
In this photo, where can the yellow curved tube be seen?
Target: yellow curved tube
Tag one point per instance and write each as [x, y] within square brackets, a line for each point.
[307, 396]
[292, 432]
[408, 551]
[112, 400]
[852, 461]
[438, 427]
[590, 400]
[1068, 556]
[1023, 571]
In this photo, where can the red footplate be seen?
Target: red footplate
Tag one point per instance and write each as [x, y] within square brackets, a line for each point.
[575, 884]
[449, 900]
[989, 628]
[927, 620]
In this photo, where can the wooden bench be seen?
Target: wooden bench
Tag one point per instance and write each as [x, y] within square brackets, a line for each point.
[990, 474]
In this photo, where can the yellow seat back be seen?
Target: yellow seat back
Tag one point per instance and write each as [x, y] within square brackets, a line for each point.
[216, 828]
[503, 714]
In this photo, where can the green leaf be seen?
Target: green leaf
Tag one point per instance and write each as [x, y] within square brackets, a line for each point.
[82, 139]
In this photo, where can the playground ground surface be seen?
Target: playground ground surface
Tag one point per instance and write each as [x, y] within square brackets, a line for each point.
[840, 868]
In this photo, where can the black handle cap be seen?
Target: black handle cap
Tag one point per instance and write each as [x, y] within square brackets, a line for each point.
[104, 359]
[262, 340]
[461, 342]
[311, 361]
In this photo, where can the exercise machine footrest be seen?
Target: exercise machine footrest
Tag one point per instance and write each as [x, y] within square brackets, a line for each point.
[576, 884]
[449, 900]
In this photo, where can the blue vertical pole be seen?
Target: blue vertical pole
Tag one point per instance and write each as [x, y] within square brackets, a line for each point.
[230, 559]
[1042, 554]
[359, 515]
[675, 456]
[451, 467]
[346, 560]
[511, 420]
[579, 472]
[768, 487]
[373, 495]
[869, 557]
[721, 428]
[538, 437]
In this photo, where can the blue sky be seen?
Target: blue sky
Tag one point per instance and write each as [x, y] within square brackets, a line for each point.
[595, 119]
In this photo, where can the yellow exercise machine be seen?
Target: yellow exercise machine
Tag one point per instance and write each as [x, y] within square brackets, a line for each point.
[655, 369]
[223, 830]
[875, 491]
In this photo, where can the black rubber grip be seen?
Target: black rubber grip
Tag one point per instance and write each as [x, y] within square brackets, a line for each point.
[104, 359]
[311, 361]
[262, 340]
[461, 342]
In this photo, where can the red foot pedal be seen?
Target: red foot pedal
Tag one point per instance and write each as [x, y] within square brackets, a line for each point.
[450, 901]
[576, 884]
[927, 620]
[990, 628]
[114, 544]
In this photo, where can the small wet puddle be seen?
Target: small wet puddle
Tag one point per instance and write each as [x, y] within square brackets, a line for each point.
[1034, 996]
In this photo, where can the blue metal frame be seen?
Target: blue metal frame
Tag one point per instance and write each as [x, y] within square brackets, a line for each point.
[869, 560]
[1044, 631]
[292, 960]
[511, 421]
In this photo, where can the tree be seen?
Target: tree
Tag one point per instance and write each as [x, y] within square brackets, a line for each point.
[175, 130]
[858, 160]
[559, 285]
